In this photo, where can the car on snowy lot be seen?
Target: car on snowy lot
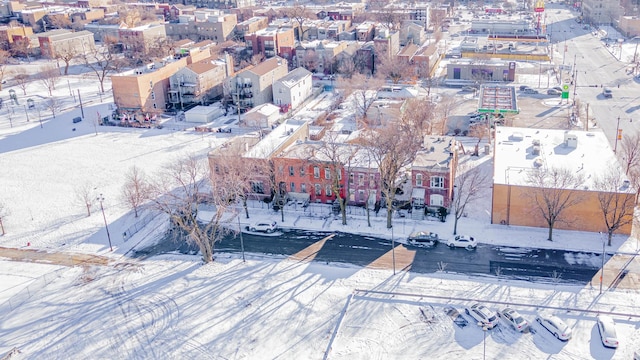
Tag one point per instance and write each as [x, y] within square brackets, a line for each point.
[524, 87]
[462, 241]
[530, 91]
[555, 325]
[607, 93]
[423, 238]
[514, 319]
[554, 92]
[484, 316]
[263, 226]
[607, 329]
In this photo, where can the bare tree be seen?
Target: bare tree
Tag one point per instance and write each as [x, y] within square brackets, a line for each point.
[22, 79]
[552, 191]
[630, 151]
[85, 194]
[5, 57]
[67, 54]
[135, 191]
[363, 91]
[103, 60]
[21, 47]
[49, 77]
[337, 157]
[391, 153]
[53, 104]
[299, 14]
[394, 68]
[310, 60]
[347, 67]
[4, 213]
[386, 13]
[181, 189]
[479, 131]
[130, 17]
[470, 182]
[616, 203]
[421, 113]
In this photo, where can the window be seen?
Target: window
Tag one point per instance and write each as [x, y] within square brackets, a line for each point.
[303, 188]
[372, 181]
[155, 106]
[360, 195]
[418, 179]
[302, 171]
[293, 187]
[327, 173]
[437, 182]
[339, 175]
[360, 179]
[318, 189]
[327, 190]
[436, 200]
[257, 187]
[291, 171]
[316, 172]
[153, 95]
[351, 179]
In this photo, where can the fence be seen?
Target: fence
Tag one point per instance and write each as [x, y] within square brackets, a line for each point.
[139, 225]
[25, 294]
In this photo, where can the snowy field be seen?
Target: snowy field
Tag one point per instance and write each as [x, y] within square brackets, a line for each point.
[173, 307]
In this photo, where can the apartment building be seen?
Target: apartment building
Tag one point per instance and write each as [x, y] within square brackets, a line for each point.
[141, 38]
[601, 12]
[365, 31]
[208, 24]
[251, 25]
[10, 34]
[293, 89]
[144, 90]
[200, 82]
[433, 175]
[272, 42]
[65, 42]
[254, 86]
[218, 4]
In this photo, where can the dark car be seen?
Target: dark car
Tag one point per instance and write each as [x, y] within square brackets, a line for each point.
[77, 119]
[554, 92]
[423, 238]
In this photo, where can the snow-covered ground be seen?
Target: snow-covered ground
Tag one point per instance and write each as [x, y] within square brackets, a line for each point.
[174, 307]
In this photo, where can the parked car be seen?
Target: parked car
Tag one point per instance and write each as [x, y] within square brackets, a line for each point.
[514, 319]
[484, 316]
[77, 119]
[524, 87]
[263, 226]
[607, 93]
[469, 88]
[554, 92]
[557, 88]
[607, 329]
[463, 241]
[555, 326]
[530, 91]
[423, 238]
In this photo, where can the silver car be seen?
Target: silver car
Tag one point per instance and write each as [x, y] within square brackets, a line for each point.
[555, 326]
[607, 329]
[484, 316]
[514, 319]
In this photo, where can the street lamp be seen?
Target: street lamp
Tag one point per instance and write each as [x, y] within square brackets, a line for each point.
[485, 328]
[602, 267]
[241, 240]
[618, 135]
[101, 199]
[393, 251]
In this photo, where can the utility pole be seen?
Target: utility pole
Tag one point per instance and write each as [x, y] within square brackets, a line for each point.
[101, 199]
[81, 108]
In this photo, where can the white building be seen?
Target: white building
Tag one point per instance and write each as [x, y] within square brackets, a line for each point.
[204, 114]
[293, 89]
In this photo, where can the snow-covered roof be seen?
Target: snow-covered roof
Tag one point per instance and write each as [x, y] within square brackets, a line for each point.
[520, 150]
[274, 140]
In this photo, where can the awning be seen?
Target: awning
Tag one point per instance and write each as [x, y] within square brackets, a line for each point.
[417, 193]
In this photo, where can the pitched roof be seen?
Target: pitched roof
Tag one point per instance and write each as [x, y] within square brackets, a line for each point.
[267, 66]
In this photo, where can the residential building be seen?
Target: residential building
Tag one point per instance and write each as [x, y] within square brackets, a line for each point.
[142, 38]
[102, 32]
[433, 175]
[386, 42]
[412, 32]
[263, 117]
[272, 42]
[421, 12]
[144, 90]
[218, 4]
[293, 89]
[519, 152]
[214, 24]
[33, 17]
[365, 31]
[320, 56]
[601, 12]
[254, 86]
[251, 25]
[10, 33]
[199, 82]
[65, 42]
[629, 26]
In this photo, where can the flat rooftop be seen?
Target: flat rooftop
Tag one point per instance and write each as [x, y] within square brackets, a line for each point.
[521, 150]
[495, 98]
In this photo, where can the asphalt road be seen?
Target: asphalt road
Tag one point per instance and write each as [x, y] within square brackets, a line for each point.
[522, 263]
